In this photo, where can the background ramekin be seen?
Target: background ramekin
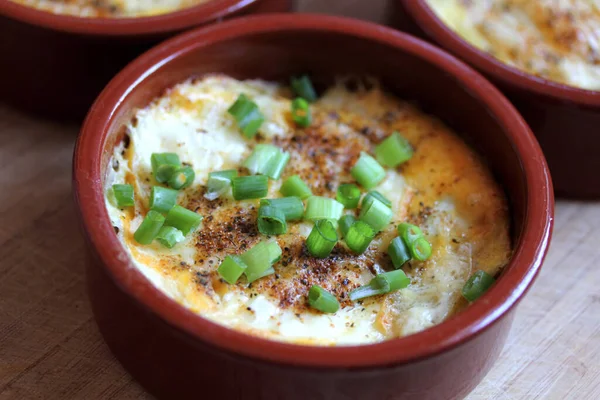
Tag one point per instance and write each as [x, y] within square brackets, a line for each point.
[564, 119]
[55, 65]
[175, 353]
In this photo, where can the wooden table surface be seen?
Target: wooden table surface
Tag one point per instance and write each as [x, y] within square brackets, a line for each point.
[50, 347]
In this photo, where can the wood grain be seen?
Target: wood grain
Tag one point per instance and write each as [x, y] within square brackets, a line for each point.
[50, 347]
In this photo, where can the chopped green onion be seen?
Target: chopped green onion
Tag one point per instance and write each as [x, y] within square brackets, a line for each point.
[253, 277]
[162, 199]
[366, 291]
[322, 238]
[271, 220]
[248, 116]
[376, 214]
[182, 178]
[374, 194]
[477, 285]
[183, 219]
[349, 195]
[359, 236]
[383, 283]
[295, 186]
[267, 159]
[257, 161]
[292, 206]
[169, 236]
[301, 112]
[318, 207]
[322, 300]
[250, 187]
[420, 249]
[149, 227]
[409, 233]
[393, 150]
[345, 223]
[260, 259]
[398, 252]
[231, 269]
[123, 195]
[303, 87]
[219, 182]
[393, 280]
[367, 171]
[164, 165]
[275, 167]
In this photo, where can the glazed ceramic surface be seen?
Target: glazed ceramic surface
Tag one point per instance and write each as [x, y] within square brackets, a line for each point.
[177, 354]
[564, 118]
[55, 65]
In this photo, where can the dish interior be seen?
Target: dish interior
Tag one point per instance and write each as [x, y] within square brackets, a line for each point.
[325, 58]
[110, 8]
[554, 40]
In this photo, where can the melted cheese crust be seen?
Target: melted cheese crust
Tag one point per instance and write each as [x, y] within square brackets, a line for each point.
[558, 40]
[445, 188]
[110, 8]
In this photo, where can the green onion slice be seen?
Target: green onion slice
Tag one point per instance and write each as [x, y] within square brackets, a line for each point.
[376, 214]
[183, 219]
[374, 194]
[169, 236]
[267, 159]
[420, 249]
[295, 186]
[260, 157]
[219, 182]
[250, 187]
[398, 252]
[322, 238]
[409, 233]
[394, 280]
[271, 220]
[162, 199]
[260, 259]
[322, 300]
[345, 223]
[123, 195]
[149, 228]
[231, 269]
[301, 112]
[367, 171]
[254, 277]
[248, 116]
[303, 87]
[383, 283]
[359, 236]
[318, 207]
[292, 206]
[393, 150]
[276, 165]
[182, 178]
[349, 195]
[164, 165]
[477, 285]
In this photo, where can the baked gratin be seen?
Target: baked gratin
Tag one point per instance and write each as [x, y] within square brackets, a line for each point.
[558, 40]
[346, 218]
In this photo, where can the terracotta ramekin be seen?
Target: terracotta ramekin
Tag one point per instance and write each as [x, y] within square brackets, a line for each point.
[565, 119]
[56, 65]
[175, 353]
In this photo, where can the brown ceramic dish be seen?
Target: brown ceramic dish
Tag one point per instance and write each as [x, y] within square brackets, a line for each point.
[177, 354]
[565, 119]
[55, 65]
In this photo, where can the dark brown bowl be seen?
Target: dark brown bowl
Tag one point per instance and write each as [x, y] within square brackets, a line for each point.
[55, 65]
[175, 353]
[565, 119]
